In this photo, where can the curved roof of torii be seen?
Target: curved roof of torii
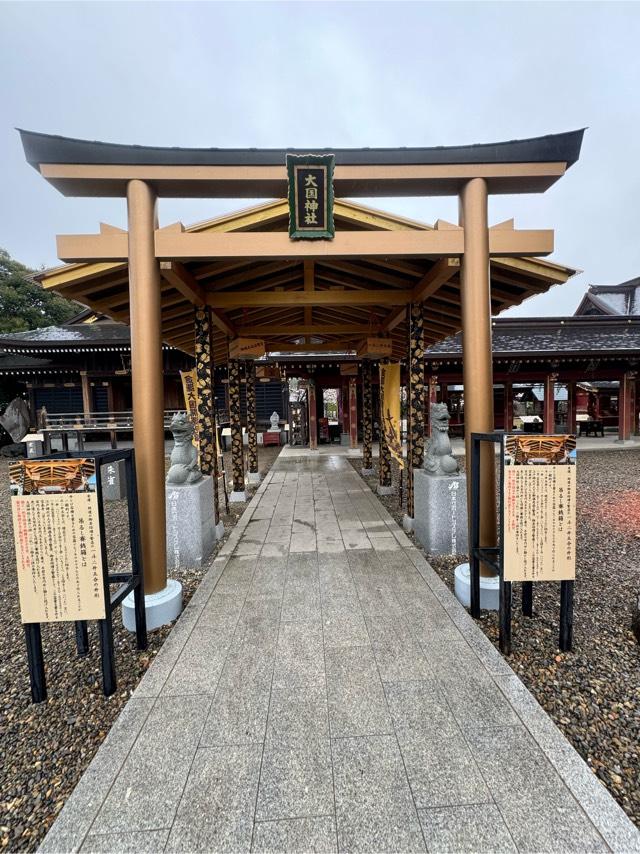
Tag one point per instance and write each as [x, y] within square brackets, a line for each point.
[327, 325]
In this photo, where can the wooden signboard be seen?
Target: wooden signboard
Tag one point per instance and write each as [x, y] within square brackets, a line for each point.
[264, 373]
[310, 196]
[539, 507]
[57, 537]
[246, 348]
[348, 369]
[378, 348]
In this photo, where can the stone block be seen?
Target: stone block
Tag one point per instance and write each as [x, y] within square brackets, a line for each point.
[440, 512]
[114, 481]
[191, 529]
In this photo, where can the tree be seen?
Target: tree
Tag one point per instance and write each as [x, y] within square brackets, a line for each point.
[24, 304]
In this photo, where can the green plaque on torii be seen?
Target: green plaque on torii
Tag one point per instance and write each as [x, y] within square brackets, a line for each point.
[311, 196]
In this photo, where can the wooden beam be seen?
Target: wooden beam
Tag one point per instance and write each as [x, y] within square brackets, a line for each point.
[302, 298]
[181, 279]
[441, 272]
[288, 347]
[243, 182]
[277, 245]
[220, 319]
[394, 319]
[304, 329]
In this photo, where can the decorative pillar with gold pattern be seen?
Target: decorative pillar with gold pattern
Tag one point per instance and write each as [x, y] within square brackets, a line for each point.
[384, 458]
[252, 429]
[206, 428]
[313, 420]
[415, 432]
[237, 461]
[367, 420]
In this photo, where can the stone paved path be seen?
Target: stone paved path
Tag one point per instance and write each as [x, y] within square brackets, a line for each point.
[323, 691]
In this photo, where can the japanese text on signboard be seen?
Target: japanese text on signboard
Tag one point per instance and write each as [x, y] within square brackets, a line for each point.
[539, 508]
[310, 196]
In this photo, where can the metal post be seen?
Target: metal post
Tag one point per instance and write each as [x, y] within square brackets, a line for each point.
[137, 565]
[477, 355]
[35, 660]
[474, 530]
[566, 616]
[82, 638]
[105, 626]
[147, 380]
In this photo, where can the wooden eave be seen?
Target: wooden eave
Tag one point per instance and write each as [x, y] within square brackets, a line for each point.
[351, 297]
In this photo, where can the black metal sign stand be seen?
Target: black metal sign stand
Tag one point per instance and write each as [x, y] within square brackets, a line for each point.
[494, 557]
[128, 581]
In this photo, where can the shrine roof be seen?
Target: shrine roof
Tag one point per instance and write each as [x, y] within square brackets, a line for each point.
[48, 148]
[597, 335]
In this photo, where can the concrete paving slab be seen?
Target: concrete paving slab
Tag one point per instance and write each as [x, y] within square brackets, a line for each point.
[324, 691]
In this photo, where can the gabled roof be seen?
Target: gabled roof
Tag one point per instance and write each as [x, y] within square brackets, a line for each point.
[622, 299]
[104, 286]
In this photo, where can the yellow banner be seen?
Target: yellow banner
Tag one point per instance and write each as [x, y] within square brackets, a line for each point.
[190, 390]
[390, 390]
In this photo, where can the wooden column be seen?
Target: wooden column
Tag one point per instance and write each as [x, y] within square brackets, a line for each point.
[508, 407]
[313, 419]
[147, 381]
[237, 460]
[571, 407]
[252, 427]
[384, 459]
[477, 365]
[367, 418]
[626, 406]
[549, 411]
[207, 440]
[415, 431]
[86, 395]
[353, 413]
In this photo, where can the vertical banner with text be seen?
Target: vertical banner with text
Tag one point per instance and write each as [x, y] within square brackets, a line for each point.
[390, 390]
[539, 508]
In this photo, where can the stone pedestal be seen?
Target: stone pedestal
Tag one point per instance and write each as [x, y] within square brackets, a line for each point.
[489, 589]
[114, 481]
[345, 439]
[161, 608]
[191, 528]
[440, 508]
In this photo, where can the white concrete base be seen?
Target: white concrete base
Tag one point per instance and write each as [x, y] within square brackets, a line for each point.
[366, 472]
[254, 477]
[237, 497]
[385, 490]
[407, 523]
[161, 608]
[219, 529]
[489, 589]
[625, 442]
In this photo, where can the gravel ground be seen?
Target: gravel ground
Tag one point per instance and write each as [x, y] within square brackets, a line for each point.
[44, 749]
[592, 693]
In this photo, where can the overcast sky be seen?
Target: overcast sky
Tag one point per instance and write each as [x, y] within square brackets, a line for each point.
[334, 74]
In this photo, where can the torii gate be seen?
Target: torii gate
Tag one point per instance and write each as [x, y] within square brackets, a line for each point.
[141, 175]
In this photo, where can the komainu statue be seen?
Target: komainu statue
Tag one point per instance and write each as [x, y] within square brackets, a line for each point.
[184, 456]
[438, 458]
